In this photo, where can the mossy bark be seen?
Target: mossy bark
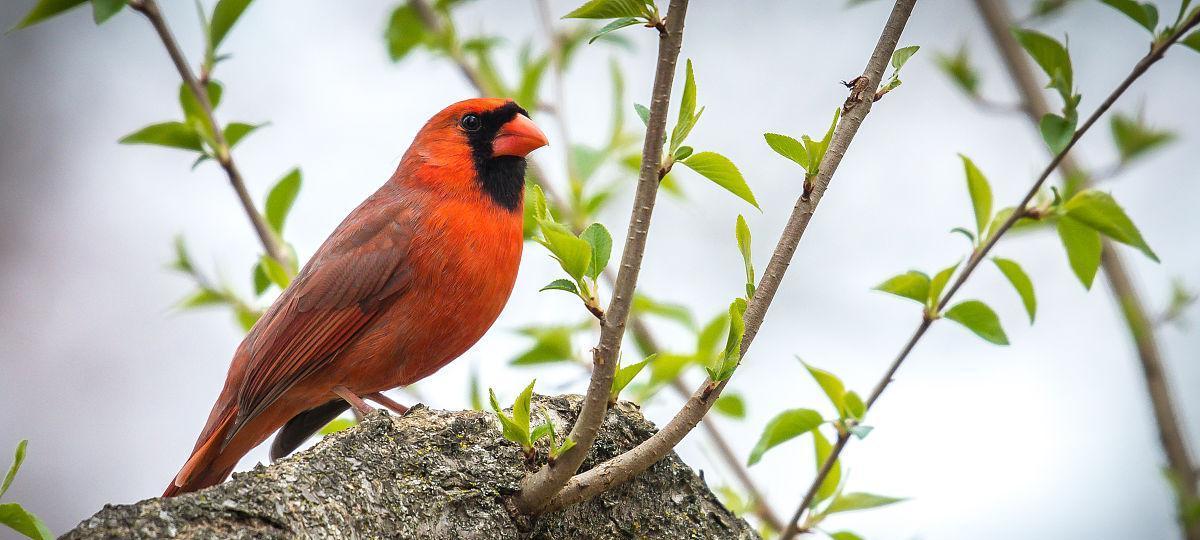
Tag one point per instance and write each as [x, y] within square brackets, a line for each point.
[430, 475]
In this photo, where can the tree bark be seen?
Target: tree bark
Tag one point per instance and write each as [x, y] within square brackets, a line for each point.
[430, 474]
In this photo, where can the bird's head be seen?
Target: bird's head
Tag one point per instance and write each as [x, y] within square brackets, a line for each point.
[480, 144]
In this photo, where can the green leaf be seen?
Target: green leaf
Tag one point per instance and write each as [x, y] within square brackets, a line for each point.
[336, 425]
[551, 344]
[938, 284]
[1083, 246]
[981, 194]
[967, 233]
[901, 56]
[788, 147]
[823, 451]
[960, 70]
[169, 134]
[46, 9]
[847, 502]
[535, 209]
[246, 317]
[1099, 211]
[1057, 131]
[224, 16]
[405, 30]
[601, 242]
[855, 408]
[531, 79]
[625, 375]
[683, 152]
[1134, 138]
[281, 198]
[816, 149]
[614, 26]
[733, 343]
[731, 405]
[1021, 282]
[609, 9]
[103, 10]
[723, 172]
[786, 426]
[742, 232]
[911, 284]
[24, 522]
[1144, 14]
[275, 271]
[833, 387]
[516, 427]
[978, 318]
[687, 109]
[201, 298]
[261, 281]
[574, 254]
[642, 113]
[192, 110]
[1052, 57]
[183, 260]
[18, 459]
[236, 131]
[1192, 41]
[845, 535]
[644, 305]
[861, 431]
[561, 285]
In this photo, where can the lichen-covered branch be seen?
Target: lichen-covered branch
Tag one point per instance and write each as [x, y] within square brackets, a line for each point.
[428, 475]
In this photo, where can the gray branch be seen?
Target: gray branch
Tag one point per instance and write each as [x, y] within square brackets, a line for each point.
[430, 474]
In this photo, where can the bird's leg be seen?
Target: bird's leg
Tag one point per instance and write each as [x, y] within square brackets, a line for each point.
[360, 407]
[388, 402]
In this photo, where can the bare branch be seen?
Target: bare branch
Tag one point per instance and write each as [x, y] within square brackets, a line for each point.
[270, 241]
[625, 466]
[538, 488]
[1155, 54]
[1141, 328]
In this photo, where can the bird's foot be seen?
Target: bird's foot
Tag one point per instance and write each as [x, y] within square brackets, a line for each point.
[361, 408]
[388, 402]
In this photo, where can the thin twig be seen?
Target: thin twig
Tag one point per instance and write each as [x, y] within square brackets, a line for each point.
[627, 465]
[1170, 431]
[538, 489]
[1155, 54]
[270, 241]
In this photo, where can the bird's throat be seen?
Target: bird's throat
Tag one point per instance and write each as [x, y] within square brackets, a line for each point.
[503, 180]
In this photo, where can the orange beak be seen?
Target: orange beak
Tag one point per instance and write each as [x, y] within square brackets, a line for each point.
[518, 137]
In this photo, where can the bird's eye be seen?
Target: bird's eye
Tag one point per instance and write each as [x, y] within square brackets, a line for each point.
[470, 122]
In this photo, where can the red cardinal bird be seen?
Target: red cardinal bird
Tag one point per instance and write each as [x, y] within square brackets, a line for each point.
[409, 281]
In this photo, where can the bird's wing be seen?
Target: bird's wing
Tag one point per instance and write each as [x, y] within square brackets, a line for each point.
[359, 271]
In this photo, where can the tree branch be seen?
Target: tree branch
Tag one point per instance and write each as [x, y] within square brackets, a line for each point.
[625, 466]
[270, 241]
[1155, 54]
[1170, 431]
[538, 488]
[426, 475]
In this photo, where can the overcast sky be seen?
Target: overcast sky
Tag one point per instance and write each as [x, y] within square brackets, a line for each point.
[1051, 437]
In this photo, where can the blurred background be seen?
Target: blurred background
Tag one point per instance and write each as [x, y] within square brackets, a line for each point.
[1051, 437]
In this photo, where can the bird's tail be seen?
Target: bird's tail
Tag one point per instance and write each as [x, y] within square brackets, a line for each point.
[201, 469]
